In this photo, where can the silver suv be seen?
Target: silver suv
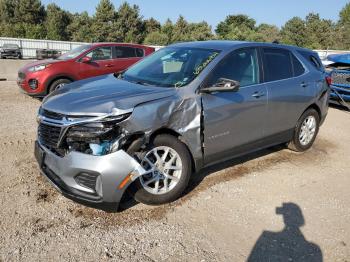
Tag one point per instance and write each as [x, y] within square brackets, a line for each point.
[187, 106]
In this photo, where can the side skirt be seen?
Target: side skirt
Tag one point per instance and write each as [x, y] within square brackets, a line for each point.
[269, 141]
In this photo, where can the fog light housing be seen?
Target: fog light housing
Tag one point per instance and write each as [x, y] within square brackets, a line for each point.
[87, 180]
[33, 84]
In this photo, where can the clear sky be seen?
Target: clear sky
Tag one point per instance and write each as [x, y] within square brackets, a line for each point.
[213, 11]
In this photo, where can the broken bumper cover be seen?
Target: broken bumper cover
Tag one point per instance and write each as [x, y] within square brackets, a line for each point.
[97, 181]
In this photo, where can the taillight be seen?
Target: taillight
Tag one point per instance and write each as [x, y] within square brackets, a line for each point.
[329, 80]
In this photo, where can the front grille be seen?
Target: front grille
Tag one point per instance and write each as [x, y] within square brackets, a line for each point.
[87, 180]
[49, 135]
[341, 78]
[51, 115]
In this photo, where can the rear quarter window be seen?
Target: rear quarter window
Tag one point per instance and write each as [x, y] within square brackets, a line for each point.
[313, 59]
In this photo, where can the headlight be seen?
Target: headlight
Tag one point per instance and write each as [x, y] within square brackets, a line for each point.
[104, 129]
[97, 137]
[38, 68]
[88, 131]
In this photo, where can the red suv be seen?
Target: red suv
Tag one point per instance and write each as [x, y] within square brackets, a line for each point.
[42, 77]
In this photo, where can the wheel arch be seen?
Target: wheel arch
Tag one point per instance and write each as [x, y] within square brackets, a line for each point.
[55, 78]
[315, 107]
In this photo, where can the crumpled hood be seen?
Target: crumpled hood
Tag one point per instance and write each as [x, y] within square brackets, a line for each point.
[100, 95]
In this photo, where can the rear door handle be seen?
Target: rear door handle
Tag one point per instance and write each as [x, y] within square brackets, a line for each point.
[258, 94]
[109, 65]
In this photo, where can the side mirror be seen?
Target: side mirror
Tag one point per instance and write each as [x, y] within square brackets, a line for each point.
[223, 85]
[86, 59]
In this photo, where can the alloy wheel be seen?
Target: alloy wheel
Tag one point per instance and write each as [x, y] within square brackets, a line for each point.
[307, 130]
[163, 167]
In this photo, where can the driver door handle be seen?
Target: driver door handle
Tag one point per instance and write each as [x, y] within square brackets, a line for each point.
[109, 65]
[258, 94]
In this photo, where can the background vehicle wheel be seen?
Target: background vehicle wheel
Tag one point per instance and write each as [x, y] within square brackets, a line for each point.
[305, 131]
[168, 165]
[58, 84]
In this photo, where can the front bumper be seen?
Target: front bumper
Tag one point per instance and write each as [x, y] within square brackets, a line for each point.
[24, 78]
[111, 171]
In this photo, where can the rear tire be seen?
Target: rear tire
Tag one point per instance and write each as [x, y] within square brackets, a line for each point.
[305, 131]
[58, 84]
[171, 174]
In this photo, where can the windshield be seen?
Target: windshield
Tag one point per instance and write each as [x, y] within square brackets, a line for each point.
[10, 46]
[170, 67]
[74, 52]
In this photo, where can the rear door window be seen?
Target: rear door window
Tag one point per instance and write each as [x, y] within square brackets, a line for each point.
[277, 64]
[124, 52]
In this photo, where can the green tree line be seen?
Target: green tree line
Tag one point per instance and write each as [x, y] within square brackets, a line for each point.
[31, 19]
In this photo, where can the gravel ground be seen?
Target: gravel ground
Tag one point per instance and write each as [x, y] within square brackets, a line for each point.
[226, 210]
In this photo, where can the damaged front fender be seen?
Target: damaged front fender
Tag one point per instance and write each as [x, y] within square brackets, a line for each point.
[183, 115]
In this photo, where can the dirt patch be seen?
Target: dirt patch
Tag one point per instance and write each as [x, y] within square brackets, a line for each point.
[126, 218]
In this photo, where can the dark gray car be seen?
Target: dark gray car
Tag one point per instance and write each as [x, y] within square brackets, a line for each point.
[10, 50]
[185, 107]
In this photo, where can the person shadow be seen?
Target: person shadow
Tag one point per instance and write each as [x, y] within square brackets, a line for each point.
[288, 244]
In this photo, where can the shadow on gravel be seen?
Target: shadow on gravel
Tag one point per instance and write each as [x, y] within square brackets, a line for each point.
[339, 106]
[288, 244]
[232, 169]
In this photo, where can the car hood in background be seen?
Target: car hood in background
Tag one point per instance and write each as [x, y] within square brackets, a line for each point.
[340, 58]
[100, 95]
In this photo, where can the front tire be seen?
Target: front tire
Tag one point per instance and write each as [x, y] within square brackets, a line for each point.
[58, 84]
[305, 131]
[168, 165]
